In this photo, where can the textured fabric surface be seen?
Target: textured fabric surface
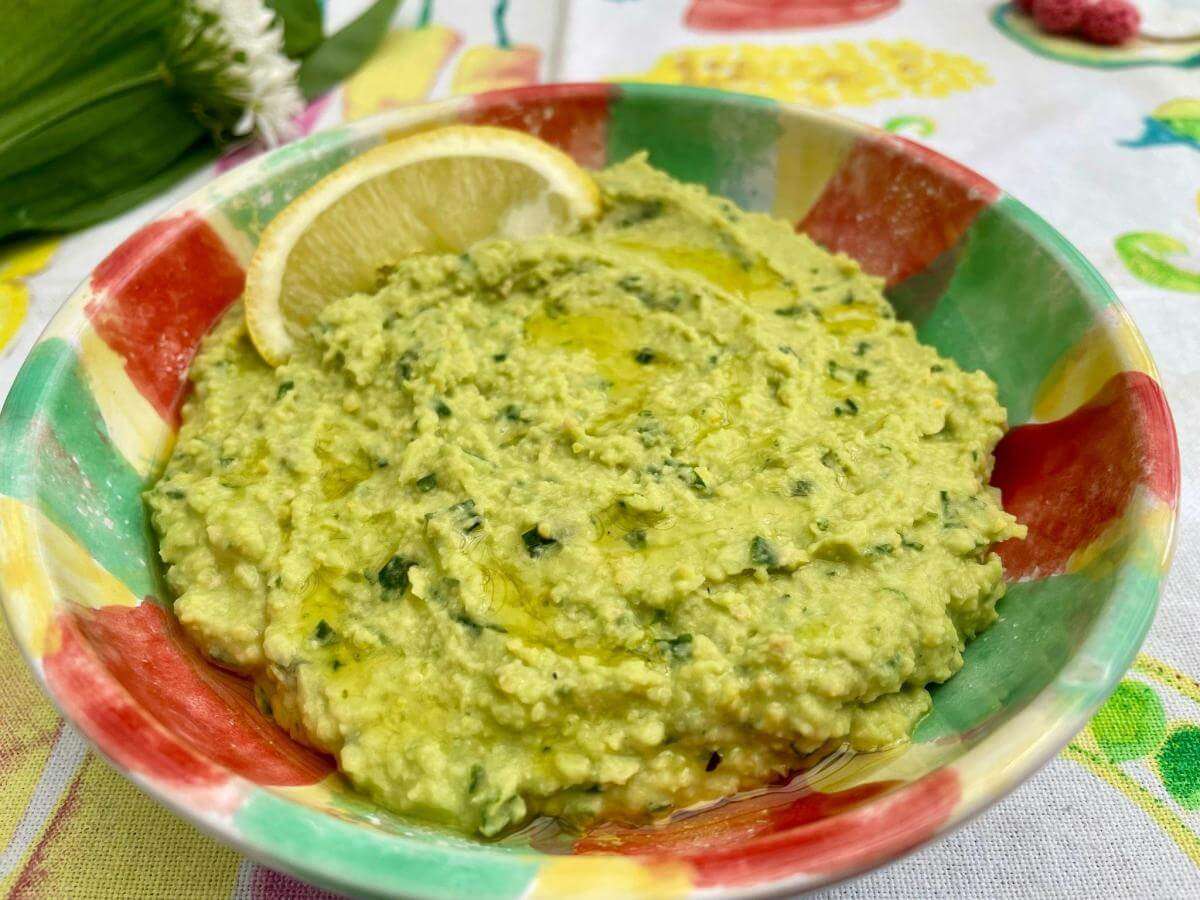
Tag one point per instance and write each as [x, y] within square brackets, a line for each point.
[1108, 153]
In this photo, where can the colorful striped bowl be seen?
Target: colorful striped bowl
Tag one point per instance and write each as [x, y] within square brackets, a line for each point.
[1091, 466]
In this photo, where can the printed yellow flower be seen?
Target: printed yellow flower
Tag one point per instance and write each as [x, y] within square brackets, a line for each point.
[841, 74]
[18, 262]
[487, 68]
[403, 70]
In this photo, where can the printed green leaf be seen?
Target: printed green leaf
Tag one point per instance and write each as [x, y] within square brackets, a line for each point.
[1178, 763]
[1131, 724]
[1147, 255]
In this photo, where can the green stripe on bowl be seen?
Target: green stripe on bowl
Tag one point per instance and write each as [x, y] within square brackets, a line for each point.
[428, 865]
[1038, 639]
[725, 142]
[55, 453]
[1008, 308]
[282, 176]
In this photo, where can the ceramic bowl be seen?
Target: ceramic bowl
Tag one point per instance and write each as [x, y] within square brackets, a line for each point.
[1090, 465]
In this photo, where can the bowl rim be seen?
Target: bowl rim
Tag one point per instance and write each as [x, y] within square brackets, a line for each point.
[1098, 294]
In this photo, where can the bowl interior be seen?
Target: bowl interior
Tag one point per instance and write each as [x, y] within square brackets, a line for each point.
[1091, 466]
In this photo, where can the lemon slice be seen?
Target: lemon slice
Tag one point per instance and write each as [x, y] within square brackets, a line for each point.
[438, 191]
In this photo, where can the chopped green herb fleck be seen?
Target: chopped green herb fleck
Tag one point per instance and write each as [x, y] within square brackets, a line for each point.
[443, 411]
[861, 375]
[641, 211]
[427, 483]
[631, 283]
[801, 487]
[648, 428]
[322, 632]
[382, 274]
[862, 347]
[911, 544]
[636, 539]
[394, 574]
[174, 494]
[679, 647]
[512, 412]
[689, 475]
[762, 553]
[476, 778]
[882, 549]
[937, 368]
[499, 357]
[469, 519]
[846, 408]
[536, 544]
[404, 366]
[473, 628]
[645, 356]
[283, 388]
[262, 701]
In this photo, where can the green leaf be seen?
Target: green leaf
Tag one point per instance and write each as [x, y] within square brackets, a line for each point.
[342, 53]
[67, 114]
[105, 207]
[112, 171]
[301, 25]
[1131, 724]
[47, 40]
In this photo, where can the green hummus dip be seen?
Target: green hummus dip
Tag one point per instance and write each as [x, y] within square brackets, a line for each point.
[590, 526]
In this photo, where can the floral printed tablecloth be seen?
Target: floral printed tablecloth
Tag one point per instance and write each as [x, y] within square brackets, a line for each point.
[1105, 143]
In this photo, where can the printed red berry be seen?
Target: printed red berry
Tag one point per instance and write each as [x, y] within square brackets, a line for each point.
[1058, 16]
[1110, 22]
